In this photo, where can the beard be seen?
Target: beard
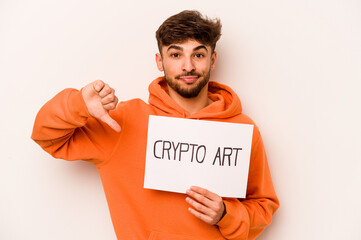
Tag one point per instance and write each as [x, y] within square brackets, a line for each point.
[193, 89]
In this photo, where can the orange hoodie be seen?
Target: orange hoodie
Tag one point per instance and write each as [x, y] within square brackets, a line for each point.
[64, 128]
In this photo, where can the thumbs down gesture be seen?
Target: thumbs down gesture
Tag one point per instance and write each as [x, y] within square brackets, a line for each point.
[100, 98]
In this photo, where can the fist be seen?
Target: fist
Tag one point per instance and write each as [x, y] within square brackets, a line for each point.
[100, 99]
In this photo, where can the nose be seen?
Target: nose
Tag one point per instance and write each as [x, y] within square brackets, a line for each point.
[188, 65]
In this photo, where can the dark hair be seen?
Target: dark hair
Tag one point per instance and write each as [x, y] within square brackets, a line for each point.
[189, 25]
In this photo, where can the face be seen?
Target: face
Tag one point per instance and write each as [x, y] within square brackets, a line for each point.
[186, 67]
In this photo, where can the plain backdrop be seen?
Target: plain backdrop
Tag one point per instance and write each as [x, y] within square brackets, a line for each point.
[296, 66]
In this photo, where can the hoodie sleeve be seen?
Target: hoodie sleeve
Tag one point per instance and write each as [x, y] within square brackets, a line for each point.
[64, 128]
[247, 218]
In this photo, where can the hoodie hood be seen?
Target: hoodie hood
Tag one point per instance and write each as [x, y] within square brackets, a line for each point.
[225, 104]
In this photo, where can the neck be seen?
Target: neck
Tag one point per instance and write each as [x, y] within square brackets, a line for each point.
[191, 105]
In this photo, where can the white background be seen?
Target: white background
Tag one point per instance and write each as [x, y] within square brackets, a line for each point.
[296, 66]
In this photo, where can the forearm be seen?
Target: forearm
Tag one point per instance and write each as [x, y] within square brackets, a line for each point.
[59, 117]
[64, 128]
[246, 219]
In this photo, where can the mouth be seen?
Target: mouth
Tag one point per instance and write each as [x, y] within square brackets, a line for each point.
[189, 79]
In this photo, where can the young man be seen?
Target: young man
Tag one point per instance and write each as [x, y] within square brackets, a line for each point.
[89, 125]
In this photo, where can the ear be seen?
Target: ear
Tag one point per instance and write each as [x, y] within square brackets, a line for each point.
[213, 60]
[158, 60]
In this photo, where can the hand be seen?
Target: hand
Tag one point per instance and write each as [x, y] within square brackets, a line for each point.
[207, 205]
[100, 99]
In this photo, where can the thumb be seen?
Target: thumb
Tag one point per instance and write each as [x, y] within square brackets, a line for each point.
[111, 122]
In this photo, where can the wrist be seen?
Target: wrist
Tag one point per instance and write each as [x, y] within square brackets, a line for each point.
[224, 212]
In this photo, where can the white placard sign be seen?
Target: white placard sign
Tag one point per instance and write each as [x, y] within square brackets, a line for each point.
[183, 152]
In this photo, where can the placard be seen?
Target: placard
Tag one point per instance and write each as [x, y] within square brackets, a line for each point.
[184, 152]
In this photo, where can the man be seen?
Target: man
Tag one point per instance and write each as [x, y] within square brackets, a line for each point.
[89, 125]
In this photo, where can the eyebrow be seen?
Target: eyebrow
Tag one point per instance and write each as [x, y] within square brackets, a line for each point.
[181, 49]
[200, 47]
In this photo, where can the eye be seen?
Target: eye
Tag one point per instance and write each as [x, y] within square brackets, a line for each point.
[174, 55]
[199, 55]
